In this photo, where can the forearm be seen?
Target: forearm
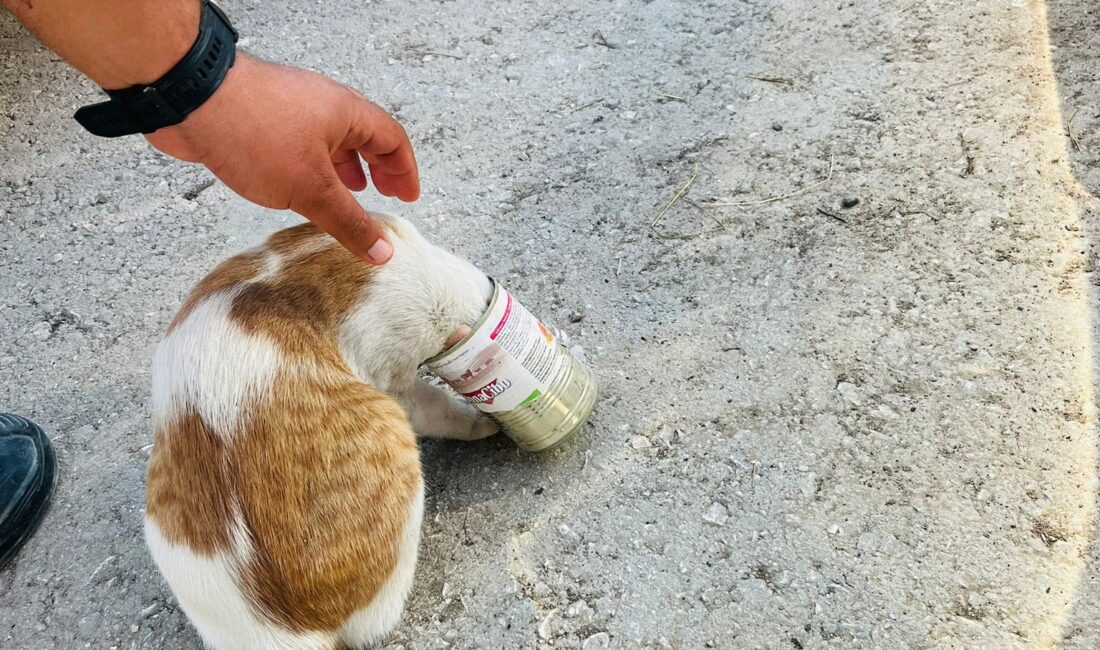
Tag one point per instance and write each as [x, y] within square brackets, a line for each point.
[117, 43]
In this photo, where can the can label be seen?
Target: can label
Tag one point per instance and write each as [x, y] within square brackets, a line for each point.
[508, 360]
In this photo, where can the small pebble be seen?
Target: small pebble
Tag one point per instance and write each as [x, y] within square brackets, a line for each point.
[884, 412]
[867, 543]
[849, 202]
[640, 442]
[42, 331]
[577, 609]
[88, 625]
[850, 393]
[856, 630]
[542, 589]
[567, 532]
[777, 127]
[716, 514]
[576, 316]
[597, 641]
[754, 590]
[547, 626]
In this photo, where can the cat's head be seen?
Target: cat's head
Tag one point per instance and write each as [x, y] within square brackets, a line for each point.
[415, 303]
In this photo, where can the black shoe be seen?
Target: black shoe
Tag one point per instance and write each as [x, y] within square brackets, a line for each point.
[28, 471]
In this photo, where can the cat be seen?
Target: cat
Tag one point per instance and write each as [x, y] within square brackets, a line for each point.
[284, 495]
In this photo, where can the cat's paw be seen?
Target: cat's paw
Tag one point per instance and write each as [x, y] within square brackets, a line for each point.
[483, 427]
[468, 423]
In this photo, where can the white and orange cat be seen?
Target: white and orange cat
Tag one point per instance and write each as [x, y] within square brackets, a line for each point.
[284, 494]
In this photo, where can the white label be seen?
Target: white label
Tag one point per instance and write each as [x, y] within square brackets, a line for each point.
[510, 360]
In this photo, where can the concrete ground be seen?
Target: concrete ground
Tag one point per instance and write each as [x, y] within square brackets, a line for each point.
[821, 426]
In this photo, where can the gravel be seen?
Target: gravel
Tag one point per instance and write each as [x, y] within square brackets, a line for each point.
[893, 408]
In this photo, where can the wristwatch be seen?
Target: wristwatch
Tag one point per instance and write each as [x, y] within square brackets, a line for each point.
[170, 99]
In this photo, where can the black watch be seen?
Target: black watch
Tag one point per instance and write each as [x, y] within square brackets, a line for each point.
[170, 99]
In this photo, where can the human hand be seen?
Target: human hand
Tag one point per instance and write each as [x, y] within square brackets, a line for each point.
[284, 138]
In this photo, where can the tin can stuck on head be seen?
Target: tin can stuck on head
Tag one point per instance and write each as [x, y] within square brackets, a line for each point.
[515, 369]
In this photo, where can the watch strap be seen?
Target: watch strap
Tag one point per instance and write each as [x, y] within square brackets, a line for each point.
[170, 99]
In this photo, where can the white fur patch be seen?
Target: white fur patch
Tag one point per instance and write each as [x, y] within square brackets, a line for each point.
[273, 263]
[372, 623]
[209, 363]
[208, 592]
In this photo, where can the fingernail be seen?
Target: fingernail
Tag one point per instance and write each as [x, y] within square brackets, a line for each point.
[380, 251]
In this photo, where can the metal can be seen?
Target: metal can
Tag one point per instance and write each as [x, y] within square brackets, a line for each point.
[514, 368]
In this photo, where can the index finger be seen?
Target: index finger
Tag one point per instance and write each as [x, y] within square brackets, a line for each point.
[328, 203]
[384, 144]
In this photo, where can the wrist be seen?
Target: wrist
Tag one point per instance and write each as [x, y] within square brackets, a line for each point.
[186, 139]
[220, 104]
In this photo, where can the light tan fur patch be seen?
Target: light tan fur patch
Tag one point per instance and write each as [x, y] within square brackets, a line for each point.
[188, 482]
[325, 476]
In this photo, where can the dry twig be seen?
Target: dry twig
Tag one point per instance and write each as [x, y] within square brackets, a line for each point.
[783, 81]
[773, 199]
[602, 40]
[584, 106]
[675, 199]
[969, 158]
[721, 225]
[829, 213]
[1069, 129]
[415, 49]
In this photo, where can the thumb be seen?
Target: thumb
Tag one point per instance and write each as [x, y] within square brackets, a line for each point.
[332, 207]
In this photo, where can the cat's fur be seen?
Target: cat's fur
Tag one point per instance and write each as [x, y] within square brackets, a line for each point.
[284, 494]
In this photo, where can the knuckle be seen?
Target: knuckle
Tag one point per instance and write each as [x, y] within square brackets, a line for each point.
[354, 94]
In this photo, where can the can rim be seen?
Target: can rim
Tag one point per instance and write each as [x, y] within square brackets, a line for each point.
[497, 291]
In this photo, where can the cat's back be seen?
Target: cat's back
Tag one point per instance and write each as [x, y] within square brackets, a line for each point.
[264, 309]
[283, 493]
